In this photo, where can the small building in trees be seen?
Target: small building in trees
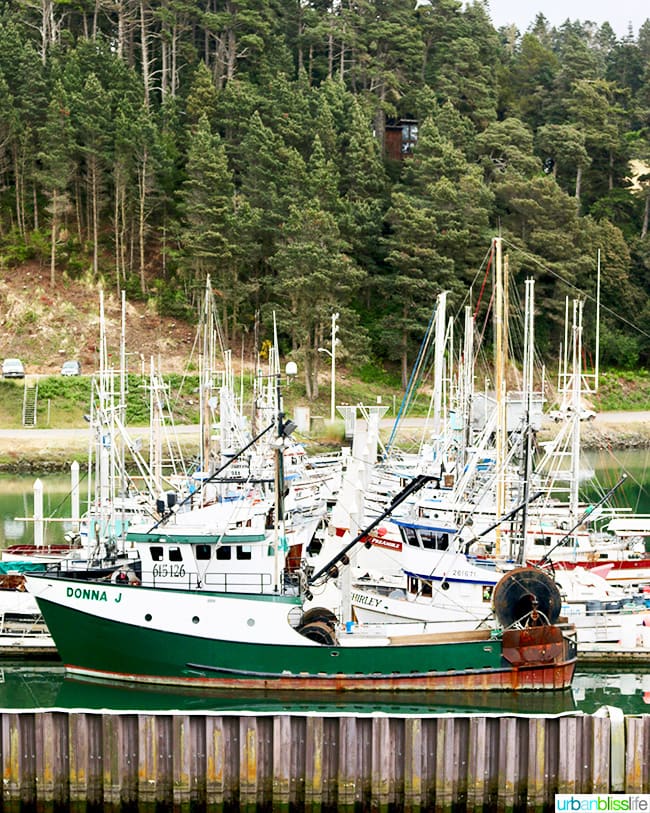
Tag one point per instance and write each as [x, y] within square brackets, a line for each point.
[401, 137]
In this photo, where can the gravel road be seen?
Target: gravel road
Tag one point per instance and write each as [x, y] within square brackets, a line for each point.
[36, 436]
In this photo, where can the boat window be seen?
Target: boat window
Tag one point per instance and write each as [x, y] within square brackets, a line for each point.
[156, 553]
[244, 552]
[431, 540]
[488, 589]
[175, 555]
[203, 551]
[224, 552]
[413, 584]
[410, 537]
[425, 588]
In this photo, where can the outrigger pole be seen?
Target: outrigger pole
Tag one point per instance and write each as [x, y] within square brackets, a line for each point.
[584, 516]
[415, 485]
[219, 470]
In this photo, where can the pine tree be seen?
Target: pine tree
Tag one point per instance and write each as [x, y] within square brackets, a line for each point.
[438, 219]
[210, 233]
[57, 166]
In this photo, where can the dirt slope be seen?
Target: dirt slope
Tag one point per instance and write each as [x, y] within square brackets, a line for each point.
[44, 326]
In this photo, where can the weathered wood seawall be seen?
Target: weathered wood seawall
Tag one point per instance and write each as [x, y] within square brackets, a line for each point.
[199, 761]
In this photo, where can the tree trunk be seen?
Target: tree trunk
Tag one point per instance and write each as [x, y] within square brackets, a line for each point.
[55, 206]
[19, 186]
[116, 234]
[120, 29]
[611, 170]
[94, 194]
[35, 204]
[231, 54]
[174, 77]
[164, 63]
[578, 182]
[301, 31]
[330, 47]
[145, 54]
[141, 219]
[646, 213]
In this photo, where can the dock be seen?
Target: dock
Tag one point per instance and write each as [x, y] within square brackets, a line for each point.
[58, 759]
[26, 640]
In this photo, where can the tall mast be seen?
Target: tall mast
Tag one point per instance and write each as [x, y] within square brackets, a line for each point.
[439, 362]
[528, 386]
[576, 393]
[500, 387]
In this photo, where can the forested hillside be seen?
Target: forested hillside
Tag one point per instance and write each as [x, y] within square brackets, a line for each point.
[314, 158]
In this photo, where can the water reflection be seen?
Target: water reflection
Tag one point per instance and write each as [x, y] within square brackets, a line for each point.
[17, 500]
[33, 686]
[17, 493]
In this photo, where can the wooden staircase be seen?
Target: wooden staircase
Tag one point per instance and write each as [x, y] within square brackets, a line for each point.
[30, 402]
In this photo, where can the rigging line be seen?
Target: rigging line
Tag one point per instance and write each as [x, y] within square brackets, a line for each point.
[485, 279]
[411, 384]
[586, 295]
[485, 323]
[486, 259]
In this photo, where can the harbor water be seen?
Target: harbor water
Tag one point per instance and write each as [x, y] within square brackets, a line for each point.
[43, 685]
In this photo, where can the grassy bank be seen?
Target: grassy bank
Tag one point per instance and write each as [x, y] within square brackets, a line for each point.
[63, 402]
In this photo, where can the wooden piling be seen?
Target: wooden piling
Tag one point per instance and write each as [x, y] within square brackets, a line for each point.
[282, 762]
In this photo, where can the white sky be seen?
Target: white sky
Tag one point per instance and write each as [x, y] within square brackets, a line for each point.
[618, 14]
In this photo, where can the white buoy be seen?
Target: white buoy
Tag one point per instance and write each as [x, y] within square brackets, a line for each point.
[74, 494]
[38, 513]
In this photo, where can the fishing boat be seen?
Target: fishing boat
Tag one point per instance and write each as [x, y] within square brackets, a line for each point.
[247, 627]
[262, 640]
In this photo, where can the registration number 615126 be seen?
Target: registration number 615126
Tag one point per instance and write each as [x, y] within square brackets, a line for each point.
[168, 570]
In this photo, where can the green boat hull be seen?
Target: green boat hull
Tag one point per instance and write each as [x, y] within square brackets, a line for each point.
[99, 646]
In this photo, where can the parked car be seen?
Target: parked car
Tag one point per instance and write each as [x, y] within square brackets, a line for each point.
[71, 368]
[13, 368]
[558, 415]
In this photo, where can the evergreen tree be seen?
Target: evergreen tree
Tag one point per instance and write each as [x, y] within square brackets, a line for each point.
[438, 218]
[315, 277]
[210, 233]
[57, 167]
[91, 111]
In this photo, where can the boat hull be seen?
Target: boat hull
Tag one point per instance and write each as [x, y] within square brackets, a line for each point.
[178, 637]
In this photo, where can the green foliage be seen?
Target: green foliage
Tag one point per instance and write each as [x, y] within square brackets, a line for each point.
[618, 350]
[374, 373]
[73, 390]
[260, 163]
[624, 390]
[15, 249]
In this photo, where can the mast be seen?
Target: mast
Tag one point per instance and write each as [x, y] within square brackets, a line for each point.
[467, 385]
[528, 385]
[597, 365]
[576, 391]
[439, 361]
[500, 351]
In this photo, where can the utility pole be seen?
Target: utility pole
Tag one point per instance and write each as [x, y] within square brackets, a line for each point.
[332, 354]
